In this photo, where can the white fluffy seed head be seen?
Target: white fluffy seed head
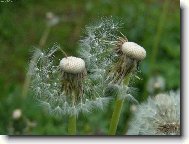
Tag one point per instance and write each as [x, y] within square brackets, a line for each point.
[17, 113]
[49, 15]
[72, 65]
[133, 50]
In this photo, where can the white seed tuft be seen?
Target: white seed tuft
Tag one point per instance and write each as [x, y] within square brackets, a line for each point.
[72, 65]
[49, 15]
[49, 83]
[159, 115]
[133, 50]
[17, 113]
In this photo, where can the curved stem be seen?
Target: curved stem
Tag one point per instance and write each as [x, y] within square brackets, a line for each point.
[72, 125]
[26, 86]
[117, 111]
[27, 80]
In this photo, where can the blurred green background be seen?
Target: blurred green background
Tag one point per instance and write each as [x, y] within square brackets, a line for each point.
[154, 24]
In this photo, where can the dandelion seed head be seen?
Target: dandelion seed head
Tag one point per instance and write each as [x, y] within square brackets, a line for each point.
[54, 83]
[133, 108]
[49, 15]
[133, 50]
[156, 83]
[158, 116]
[52, 19]
[96, 45]
[129, 54]
[72, 65]
[17, 113]
[97, 48]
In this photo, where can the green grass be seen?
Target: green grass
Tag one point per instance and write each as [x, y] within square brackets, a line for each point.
[22, 24]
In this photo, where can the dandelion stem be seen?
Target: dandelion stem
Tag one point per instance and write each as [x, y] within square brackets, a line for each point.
[44, 37]
[115, 116]
[117, 111]
[27, 80]
[157, 39]
[72, 125]
[26, 86]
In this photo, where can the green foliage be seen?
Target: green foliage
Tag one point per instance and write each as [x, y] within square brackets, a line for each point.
[22, 24]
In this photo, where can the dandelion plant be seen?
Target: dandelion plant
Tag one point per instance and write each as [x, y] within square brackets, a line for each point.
[160, 115]
[129, 55]
[79, 84]
[107, 51]
[63, 86]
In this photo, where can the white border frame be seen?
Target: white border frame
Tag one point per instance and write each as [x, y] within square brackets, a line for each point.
[134, 140]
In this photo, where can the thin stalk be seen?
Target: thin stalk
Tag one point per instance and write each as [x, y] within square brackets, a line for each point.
[44, 37]
[72, 125]
[26, 85]
[115, 116]
[160, 25]
[157, 39]
[117, 111]
[42, 42]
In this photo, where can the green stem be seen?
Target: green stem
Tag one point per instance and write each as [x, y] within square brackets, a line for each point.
[26, 85]
[72, 125]
[42, 42]
[157, 38]
[115, 116]
[117, 111]
[44, 37]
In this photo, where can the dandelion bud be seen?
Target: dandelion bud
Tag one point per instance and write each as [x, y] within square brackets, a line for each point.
[72, 65]
[133, 50]
[17, 113]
